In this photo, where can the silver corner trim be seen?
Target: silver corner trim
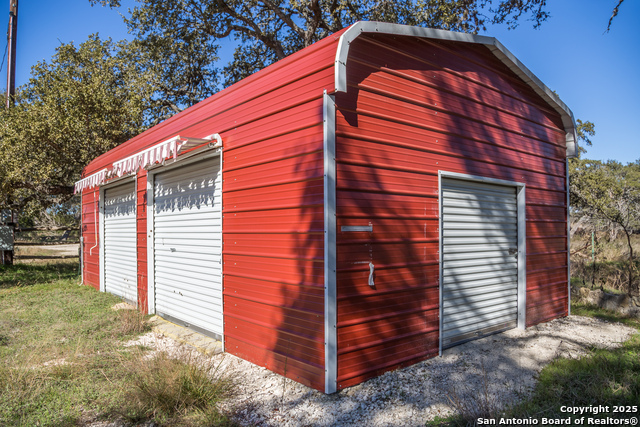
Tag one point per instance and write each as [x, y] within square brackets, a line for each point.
[440, 261]
[521, 203]
[572, 143]
[330, 293]
[568, 240]
[220, 159]
[100, 236]
[151, 279]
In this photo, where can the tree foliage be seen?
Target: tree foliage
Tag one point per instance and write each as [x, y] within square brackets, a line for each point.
[615, 12]
[87, 100]
[265, 31]
[585, 130]
[179, 69]
[609, 191]
[92, 97]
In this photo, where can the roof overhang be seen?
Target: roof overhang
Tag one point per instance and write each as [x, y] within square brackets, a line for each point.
[501, 52]
[156, 154]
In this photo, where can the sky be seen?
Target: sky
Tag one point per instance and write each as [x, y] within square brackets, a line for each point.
[596, 74]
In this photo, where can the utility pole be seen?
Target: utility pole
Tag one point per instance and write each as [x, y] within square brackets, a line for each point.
[7, 232]
[11, 42]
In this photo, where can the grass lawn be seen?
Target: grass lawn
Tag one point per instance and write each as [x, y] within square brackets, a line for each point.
[63, 362]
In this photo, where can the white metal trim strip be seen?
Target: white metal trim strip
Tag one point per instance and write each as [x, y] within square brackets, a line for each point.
[330, 256]
[221, 293]
[522, 256]
[568, 241]
[151, 277]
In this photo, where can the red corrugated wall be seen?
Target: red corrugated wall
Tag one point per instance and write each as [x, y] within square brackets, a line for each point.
[414, 107]
[141, 243]
[273, 221]
[90, 249]
[273, 215]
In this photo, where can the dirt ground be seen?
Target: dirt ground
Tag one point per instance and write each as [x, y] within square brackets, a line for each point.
[501, 368]
[43, 252]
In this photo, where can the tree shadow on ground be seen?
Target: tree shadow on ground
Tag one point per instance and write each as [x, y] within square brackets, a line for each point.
[497, 371]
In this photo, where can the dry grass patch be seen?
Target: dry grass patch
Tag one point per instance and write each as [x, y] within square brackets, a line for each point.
[63, 359]
[181, 389]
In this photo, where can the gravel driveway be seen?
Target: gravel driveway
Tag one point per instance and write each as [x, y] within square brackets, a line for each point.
[506, 363]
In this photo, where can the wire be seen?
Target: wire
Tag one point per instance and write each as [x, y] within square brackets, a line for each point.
[4, 56]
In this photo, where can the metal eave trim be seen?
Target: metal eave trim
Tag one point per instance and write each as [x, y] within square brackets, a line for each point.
[330, 256]
[497, 48]
[360, 27]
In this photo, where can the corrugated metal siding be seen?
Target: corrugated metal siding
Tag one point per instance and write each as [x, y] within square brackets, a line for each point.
[141, 224]
[187, 231]
[90, 233]
[479, 260]
[414, 107]
[273, 249]
[120, 266]
[271, 126]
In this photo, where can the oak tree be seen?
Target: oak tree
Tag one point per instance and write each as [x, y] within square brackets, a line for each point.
[85, 101]
[609, 191]
[264, 31]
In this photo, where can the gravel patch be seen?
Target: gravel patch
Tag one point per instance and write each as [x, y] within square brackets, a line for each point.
[502, 367]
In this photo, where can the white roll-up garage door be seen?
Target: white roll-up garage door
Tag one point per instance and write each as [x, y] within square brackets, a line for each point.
[479, 260]
[187, 230]
[120, 255]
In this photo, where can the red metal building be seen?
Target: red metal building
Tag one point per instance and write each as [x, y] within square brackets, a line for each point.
[359, 206]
